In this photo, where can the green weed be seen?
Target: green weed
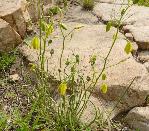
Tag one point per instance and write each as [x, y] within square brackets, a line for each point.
[141, 2]
[6, 60]
[88, 4]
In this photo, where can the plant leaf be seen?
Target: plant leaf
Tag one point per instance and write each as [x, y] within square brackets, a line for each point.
[32, 66]
[92, 60]
[108, 27]
[115, 36]
[63, 26]
[104, 76]
[128, 48]
[54, 10]
[43, 26]
[49, 29]
[123, 12]
[104, 88]
[135, 1]
[77, 59]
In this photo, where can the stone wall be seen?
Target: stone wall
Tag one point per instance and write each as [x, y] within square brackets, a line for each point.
[14, 17]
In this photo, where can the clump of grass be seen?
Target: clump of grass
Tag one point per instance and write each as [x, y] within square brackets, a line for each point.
[6, 60]
[88, 4]
[141, 2]
[54, 10]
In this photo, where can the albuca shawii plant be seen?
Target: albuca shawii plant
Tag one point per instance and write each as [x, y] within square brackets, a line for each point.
[74, 90]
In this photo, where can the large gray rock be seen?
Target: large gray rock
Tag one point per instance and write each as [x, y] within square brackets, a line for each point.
[147, 66]
[101, 108]
[33, 8]
[107, 12]
[135, 15]
[46, 2]
[140, 35]
[94, 40]
[120, 2]
[77, 14]
[143, 56]
[12, 11]
[9, 38]
[138, 118]
[104, 108]
[136, 20]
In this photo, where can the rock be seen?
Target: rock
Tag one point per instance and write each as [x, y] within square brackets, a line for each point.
[138, 118]
[136, 23]
[143, 56]
[109, 12]
[129, 36]
[14, 77]
[33, 8]
[31, 55]
[24, 6]
[9, 38]
[140, 34]
[135, 48]
[12, 11]
[119, 2]
[77, 14]
[121, 68]
[90, 111]
[105, 11]
[46, 2]
[147, 66]
[102, 108]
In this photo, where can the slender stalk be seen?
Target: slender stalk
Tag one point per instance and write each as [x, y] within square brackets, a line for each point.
[40, 31]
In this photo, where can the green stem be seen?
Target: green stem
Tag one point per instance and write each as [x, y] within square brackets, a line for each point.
[40, 31]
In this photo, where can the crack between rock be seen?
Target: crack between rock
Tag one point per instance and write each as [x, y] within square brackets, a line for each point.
[99, 19]
[113, 3]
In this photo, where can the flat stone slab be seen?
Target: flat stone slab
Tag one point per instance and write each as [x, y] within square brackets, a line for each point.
[32, 8]
[77, 14]
[8, 6]
[119, 2]
[138, 118]
[143, 56]
[9, 38]
[13, 12]
[136, 21]
[140, 35]
[136, 14]
[94, 40]
[147, 66]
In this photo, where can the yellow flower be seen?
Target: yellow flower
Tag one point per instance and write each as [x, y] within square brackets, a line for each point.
[62, 88]
[104, 88]
[35, 43]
